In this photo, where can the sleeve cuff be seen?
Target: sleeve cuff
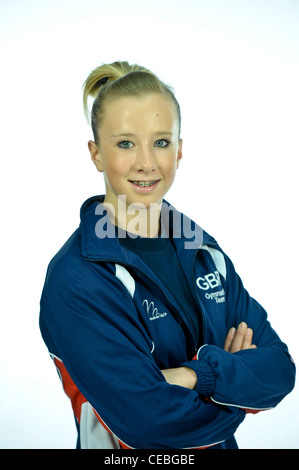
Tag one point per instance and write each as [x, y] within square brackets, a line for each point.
[206, 381]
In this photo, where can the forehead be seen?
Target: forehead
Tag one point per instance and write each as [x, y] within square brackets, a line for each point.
[133, 113]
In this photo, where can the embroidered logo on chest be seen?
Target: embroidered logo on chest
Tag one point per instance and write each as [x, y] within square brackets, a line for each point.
[211, 281]
[152, 311]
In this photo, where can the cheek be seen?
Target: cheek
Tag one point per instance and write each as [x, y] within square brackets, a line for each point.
[113, 165]
[170, 168]
[115, 170]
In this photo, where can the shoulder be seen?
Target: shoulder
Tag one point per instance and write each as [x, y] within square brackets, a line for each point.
[68, 271]
[71, 273]
[67, 256]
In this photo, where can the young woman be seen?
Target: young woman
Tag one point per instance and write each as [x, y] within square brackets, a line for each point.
[157, 343]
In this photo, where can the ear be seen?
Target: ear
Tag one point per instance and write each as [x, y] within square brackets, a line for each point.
[180, 153]
[95, 155]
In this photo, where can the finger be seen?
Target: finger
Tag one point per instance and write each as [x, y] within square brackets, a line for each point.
[247, 339]
[237, 342]
[229, 338]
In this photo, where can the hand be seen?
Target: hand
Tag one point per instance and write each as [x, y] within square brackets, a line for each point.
[239, 339]
[182, 376]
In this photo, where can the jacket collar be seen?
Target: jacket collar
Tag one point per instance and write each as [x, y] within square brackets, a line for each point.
[99, 236]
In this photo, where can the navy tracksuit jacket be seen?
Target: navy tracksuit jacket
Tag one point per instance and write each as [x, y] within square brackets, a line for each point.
[110, 327]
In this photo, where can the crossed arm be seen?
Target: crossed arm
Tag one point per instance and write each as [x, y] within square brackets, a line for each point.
[237, 339]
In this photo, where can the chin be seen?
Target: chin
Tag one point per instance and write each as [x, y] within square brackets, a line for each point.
[146, 203]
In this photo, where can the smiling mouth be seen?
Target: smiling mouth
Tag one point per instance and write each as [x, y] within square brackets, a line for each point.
[144, 184]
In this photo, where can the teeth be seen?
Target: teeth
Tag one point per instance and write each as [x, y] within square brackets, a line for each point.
[144, 183]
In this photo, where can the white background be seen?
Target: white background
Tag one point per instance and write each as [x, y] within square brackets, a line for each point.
[235, 67]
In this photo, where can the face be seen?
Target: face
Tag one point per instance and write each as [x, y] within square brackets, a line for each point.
[139, 149]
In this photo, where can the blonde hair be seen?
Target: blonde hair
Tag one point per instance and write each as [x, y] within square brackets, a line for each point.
[117, 80]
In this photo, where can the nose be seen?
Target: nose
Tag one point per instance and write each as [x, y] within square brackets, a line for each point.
[145, 160]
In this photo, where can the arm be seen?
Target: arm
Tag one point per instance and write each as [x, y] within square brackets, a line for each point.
[236, 340]
[256, 378]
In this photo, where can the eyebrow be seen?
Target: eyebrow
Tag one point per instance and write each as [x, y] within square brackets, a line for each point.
[129, 134]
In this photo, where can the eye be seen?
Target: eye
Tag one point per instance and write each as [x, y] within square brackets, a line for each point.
[162, 143]
[125, 144]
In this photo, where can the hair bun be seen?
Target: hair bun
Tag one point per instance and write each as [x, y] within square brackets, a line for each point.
[102, 82]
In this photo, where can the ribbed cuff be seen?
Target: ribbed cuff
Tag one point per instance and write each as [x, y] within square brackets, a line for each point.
[206, 381]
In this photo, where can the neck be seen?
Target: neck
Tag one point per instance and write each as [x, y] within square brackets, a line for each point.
[136, 218]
